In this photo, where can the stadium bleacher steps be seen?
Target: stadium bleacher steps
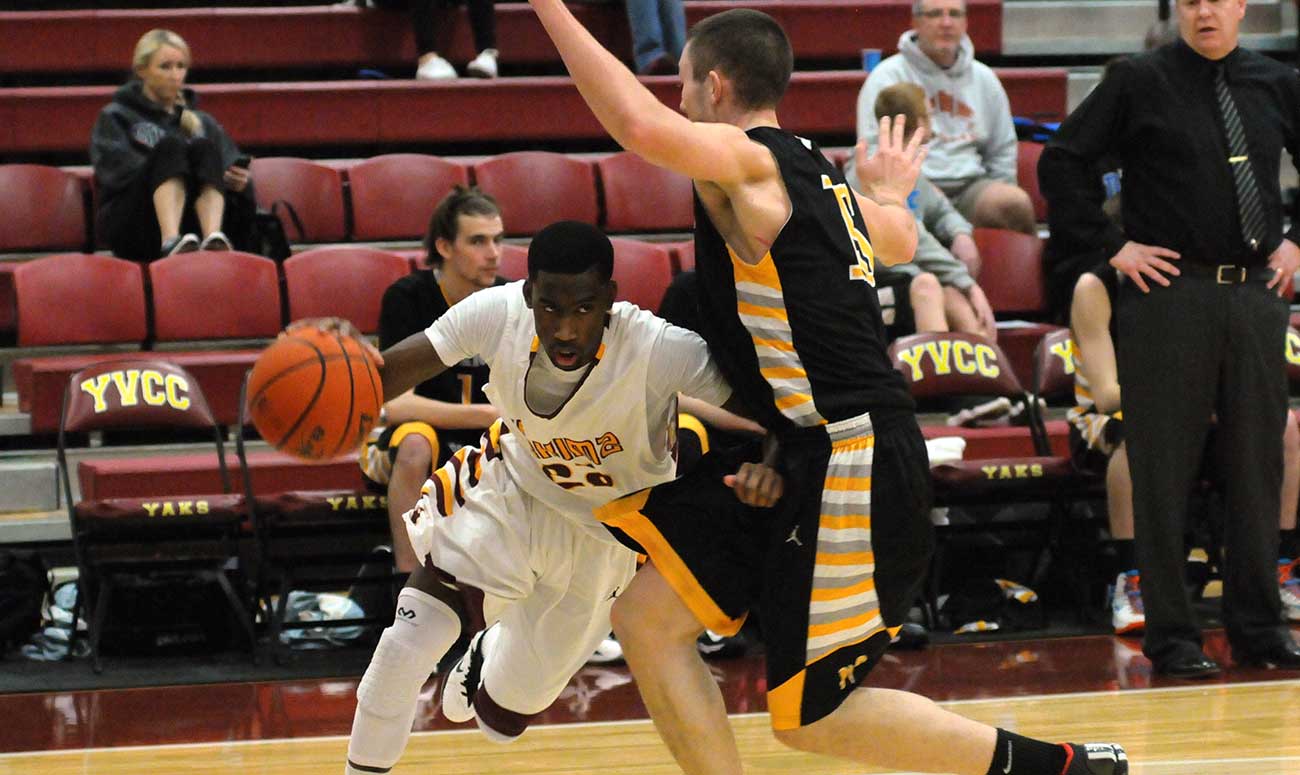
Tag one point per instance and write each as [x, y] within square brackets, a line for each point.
[1055, 28]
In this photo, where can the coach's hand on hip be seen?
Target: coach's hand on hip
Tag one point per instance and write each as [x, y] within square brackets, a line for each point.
[1135, 260]
[1284, 262]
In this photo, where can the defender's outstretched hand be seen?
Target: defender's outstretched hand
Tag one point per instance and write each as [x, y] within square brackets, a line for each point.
[889, 175]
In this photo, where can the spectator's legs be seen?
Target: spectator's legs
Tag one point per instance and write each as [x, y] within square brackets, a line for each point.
[410, 470]
[1119, 496]
[1290, 473]
[643, 20]
[927, 299]
[672, 20]
[206, 170]
[482, 23]
[1004, 206]
[169, 205]
[424, 23]
[961, 315]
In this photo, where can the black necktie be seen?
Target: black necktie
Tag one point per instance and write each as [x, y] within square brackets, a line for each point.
[1249, 207]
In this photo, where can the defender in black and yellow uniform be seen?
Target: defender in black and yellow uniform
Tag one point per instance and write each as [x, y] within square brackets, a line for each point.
[838, 562]
[786, 278]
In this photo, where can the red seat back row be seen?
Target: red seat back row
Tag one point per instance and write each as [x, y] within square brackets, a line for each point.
[392, 196]
[233, 295]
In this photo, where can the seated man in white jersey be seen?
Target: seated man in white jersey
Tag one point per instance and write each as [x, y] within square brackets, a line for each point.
[587, 391]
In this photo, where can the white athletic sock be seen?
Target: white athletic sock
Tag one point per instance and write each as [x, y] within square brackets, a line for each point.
[408, 651]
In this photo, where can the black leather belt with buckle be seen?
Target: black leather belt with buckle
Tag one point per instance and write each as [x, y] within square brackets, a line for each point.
[1227, 274]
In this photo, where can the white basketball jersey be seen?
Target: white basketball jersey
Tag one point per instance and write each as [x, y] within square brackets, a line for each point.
[596, 446]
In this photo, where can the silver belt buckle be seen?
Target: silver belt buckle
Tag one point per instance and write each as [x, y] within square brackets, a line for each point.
[1229, 279]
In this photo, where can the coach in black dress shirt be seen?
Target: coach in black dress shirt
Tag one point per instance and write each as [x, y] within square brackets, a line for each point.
[1199, 127]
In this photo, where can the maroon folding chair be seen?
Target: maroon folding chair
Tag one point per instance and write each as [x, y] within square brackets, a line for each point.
[167, 537]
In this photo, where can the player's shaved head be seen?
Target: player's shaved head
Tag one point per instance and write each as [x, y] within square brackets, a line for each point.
[749, 48]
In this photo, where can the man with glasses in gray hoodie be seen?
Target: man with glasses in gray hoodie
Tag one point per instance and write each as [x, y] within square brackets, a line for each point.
[972, 155]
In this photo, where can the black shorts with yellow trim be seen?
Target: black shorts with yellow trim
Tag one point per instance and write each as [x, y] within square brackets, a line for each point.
[833, 567]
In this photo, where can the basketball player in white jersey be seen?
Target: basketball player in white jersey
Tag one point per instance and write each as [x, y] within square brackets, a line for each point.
[587, 391]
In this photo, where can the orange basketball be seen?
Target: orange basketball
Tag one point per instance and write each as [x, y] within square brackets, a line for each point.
[314, 394]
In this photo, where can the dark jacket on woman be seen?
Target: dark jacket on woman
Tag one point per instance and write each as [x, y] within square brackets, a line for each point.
[126, 132]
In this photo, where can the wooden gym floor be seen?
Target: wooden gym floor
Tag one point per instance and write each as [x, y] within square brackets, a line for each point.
[1246, 722]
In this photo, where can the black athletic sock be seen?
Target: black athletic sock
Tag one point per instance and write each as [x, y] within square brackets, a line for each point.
[1288, 544]
[1125, 556]
[1018, 755]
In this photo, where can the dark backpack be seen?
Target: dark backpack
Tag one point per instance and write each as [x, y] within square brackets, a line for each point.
[272, 240]
[24, 582]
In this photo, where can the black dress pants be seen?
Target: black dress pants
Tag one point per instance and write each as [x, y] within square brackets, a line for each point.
[1197, 348]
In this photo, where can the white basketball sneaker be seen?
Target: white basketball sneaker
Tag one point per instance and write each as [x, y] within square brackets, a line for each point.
[607, 653]
[463, 681]
[1288, 585]
[1126, 612]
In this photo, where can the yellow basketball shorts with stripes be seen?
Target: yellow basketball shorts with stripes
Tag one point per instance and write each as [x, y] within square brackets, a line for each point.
[833, 568]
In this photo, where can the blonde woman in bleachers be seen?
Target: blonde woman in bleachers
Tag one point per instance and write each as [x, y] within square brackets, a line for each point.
[168, 178]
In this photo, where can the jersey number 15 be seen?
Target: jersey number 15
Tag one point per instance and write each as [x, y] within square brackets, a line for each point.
[864, 269]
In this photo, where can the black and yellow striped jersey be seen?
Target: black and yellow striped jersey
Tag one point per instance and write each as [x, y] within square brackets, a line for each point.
[799, 335]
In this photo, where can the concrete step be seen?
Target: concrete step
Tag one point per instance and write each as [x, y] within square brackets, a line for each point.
[30, 485]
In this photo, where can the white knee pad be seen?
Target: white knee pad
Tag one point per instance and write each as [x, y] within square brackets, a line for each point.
[423, 629]
[408, 651]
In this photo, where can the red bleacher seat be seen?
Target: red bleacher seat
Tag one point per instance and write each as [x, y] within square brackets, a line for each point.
[79, 299]
[44, 209]
[345, 282]
[538, 188]
[1012, 273]
[314, 190]
[642, 197]
[394, 195]
[643, 271]
[138, 477]
[215, 295]
[1027, 154]
[39, 381]
[514, 262]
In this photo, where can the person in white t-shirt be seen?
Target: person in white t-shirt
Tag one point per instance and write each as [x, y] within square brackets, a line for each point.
[587, 391]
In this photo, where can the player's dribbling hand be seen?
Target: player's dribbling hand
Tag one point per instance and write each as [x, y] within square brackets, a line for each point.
[1135, 260]
[756, 484]
[338, 326]
[889, 175]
